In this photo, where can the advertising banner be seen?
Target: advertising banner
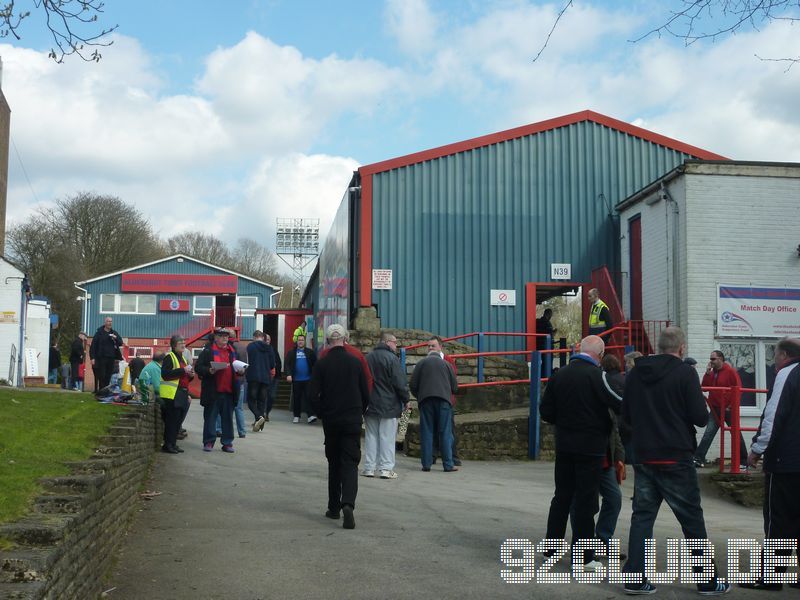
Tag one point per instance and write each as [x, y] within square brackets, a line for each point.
[179, 284]
[768, 312]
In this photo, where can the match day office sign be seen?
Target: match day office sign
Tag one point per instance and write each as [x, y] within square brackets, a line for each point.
[179, 284]
[769, 312]
[503, 297]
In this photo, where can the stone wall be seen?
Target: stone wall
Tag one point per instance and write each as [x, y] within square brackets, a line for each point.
[64, 547]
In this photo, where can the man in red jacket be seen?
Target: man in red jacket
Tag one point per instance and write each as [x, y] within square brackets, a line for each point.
[719, 374]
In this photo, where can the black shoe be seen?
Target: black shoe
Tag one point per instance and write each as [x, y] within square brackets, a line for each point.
[331, 515]
[760, 585]
[178, 448]
[433, 462]
[168, 450]
[349, 520]
[426, 469]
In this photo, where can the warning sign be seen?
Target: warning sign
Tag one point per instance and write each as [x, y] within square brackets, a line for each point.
[381, 279]
[503, 297]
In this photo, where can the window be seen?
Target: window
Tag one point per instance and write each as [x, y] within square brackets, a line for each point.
[108, 303]
[141, 352]
[196, 353]
[203, 305]
[131, 304]
[755, 363]
[248, 305]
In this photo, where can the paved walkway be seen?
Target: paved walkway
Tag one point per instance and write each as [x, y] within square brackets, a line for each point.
[251, 525]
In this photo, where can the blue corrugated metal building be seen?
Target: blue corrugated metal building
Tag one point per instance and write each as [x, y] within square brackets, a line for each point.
[492, 213]
[175, 295]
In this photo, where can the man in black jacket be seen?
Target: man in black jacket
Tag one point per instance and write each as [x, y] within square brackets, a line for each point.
[577, 400]
[663, 405]
[778, 443]
[219, 387]
[77, 354]
[259, 374]
[339, 395]
[105, 352]
[387, 401]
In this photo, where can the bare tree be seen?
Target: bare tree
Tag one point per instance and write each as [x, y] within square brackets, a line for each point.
[254, 259]
[72, 23]
[76, 239]
[202, 246]
[695, 20]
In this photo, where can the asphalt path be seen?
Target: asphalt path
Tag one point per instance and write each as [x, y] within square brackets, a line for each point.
[251, 525]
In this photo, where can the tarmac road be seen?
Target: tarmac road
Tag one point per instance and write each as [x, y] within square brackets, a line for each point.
[251, 525]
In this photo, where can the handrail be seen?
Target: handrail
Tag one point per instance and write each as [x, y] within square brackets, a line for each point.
[478, 333]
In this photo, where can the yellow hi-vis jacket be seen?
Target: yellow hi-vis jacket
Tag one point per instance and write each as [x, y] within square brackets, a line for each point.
[594, 315]
[169, 387]
[301, 330]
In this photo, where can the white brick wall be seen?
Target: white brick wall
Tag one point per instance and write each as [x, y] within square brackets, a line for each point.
[739, 224]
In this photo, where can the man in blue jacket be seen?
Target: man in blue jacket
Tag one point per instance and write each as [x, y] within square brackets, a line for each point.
[259, 374]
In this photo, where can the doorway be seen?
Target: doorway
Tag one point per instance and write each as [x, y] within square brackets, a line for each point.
[225, 311]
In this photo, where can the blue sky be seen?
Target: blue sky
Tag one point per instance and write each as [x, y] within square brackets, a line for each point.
[223, 116]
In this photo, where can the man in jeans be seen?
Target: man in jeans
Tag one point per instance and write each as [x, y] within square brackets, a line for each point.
[433, 383]
[300, 362]
[719, 374]
[662, 405]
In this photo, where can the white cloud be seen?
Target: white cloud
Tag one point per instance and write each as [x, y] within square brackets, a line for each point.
[413, 24]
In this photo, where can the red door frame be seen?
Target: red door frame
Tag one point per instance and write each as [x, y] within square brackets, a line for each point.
[530, 305]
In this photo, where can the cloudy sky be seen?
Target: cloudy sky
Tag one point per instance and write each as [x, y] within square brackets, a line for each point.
[223, 116]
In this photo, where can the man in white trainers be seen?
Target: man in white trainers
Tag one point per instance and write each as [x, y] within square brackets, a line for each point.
[386, 403]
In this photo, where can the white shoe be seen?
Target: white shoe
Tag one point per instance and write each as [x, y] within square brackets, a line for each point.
[258, 424]
[592, 566]
[388, 475]
[296, 420]
[366, 473]
[311, 419]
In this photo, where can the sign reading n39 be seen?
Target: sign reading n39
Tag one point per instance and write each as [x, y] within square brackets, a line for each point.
[560, 271]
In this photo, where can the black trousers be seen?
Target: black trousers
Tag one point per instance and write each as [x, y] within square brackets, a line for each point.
[257, 398]
[781, 510]
[300, 400]
[577, 478]
[172, 422]
[343, 451]
[104, 368]
[74, 368]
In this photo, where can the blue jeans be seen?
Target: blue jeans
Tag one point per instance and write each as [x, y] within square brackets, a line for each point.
[609, 509]
[677, 484]
[711, 432]
[221, 408]
[52, 376]
[239, 410]
[436, 414]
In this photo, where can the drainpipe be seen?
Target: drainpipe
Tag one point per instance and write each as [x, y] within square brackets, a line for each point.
[23, 319]
[271, 296]
[85, 319]
[675, 275]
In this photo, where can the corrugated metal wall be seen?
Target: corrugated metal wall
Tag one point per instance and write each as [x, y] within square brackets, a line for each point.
[164, 323]
[496, 217]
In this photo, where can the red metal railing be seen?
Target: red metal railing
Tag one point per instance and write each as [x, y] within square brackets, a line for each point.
[735, 428]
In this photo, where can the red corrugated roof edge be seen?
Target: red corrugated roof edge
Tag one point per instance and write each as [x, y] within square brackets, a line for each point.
[510, 134]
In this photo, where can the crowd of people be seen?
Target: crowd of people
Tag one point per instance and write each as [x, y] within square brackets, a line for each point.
[604, 419]
[655, 407]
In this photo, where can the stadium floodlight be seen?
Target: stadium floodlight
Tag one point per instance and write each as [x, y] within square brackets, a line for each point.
[297, 238]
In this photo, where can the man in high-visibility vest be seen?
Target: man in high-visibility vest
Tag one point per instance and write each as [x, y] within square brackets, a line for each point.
[599, 315]
[300, 330]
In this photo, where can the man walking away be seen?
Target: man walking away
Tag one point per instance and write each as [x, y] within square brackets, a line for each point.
[299, 363]
[259, 375]
[340, 395]
[577, 400]
[719, 374]
[778, 443]
[433, 383]
[105, 352]
[662, 406]
[388, 398]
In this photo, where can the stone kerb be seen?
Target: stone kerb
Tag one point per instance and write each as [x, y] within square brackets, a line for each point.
[63, 548]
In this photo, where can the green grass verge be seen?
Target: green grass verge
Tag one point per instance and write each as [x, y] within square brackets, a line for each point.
[39, 432]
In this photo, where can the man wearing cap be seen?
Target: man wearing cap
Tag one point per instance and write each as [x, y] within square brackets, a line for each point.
[339, 395]
[218, 389]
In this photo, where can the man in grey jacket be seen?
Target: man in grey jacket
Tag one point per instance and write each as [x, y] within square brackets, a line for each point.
[386, 403]
[433, 383]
